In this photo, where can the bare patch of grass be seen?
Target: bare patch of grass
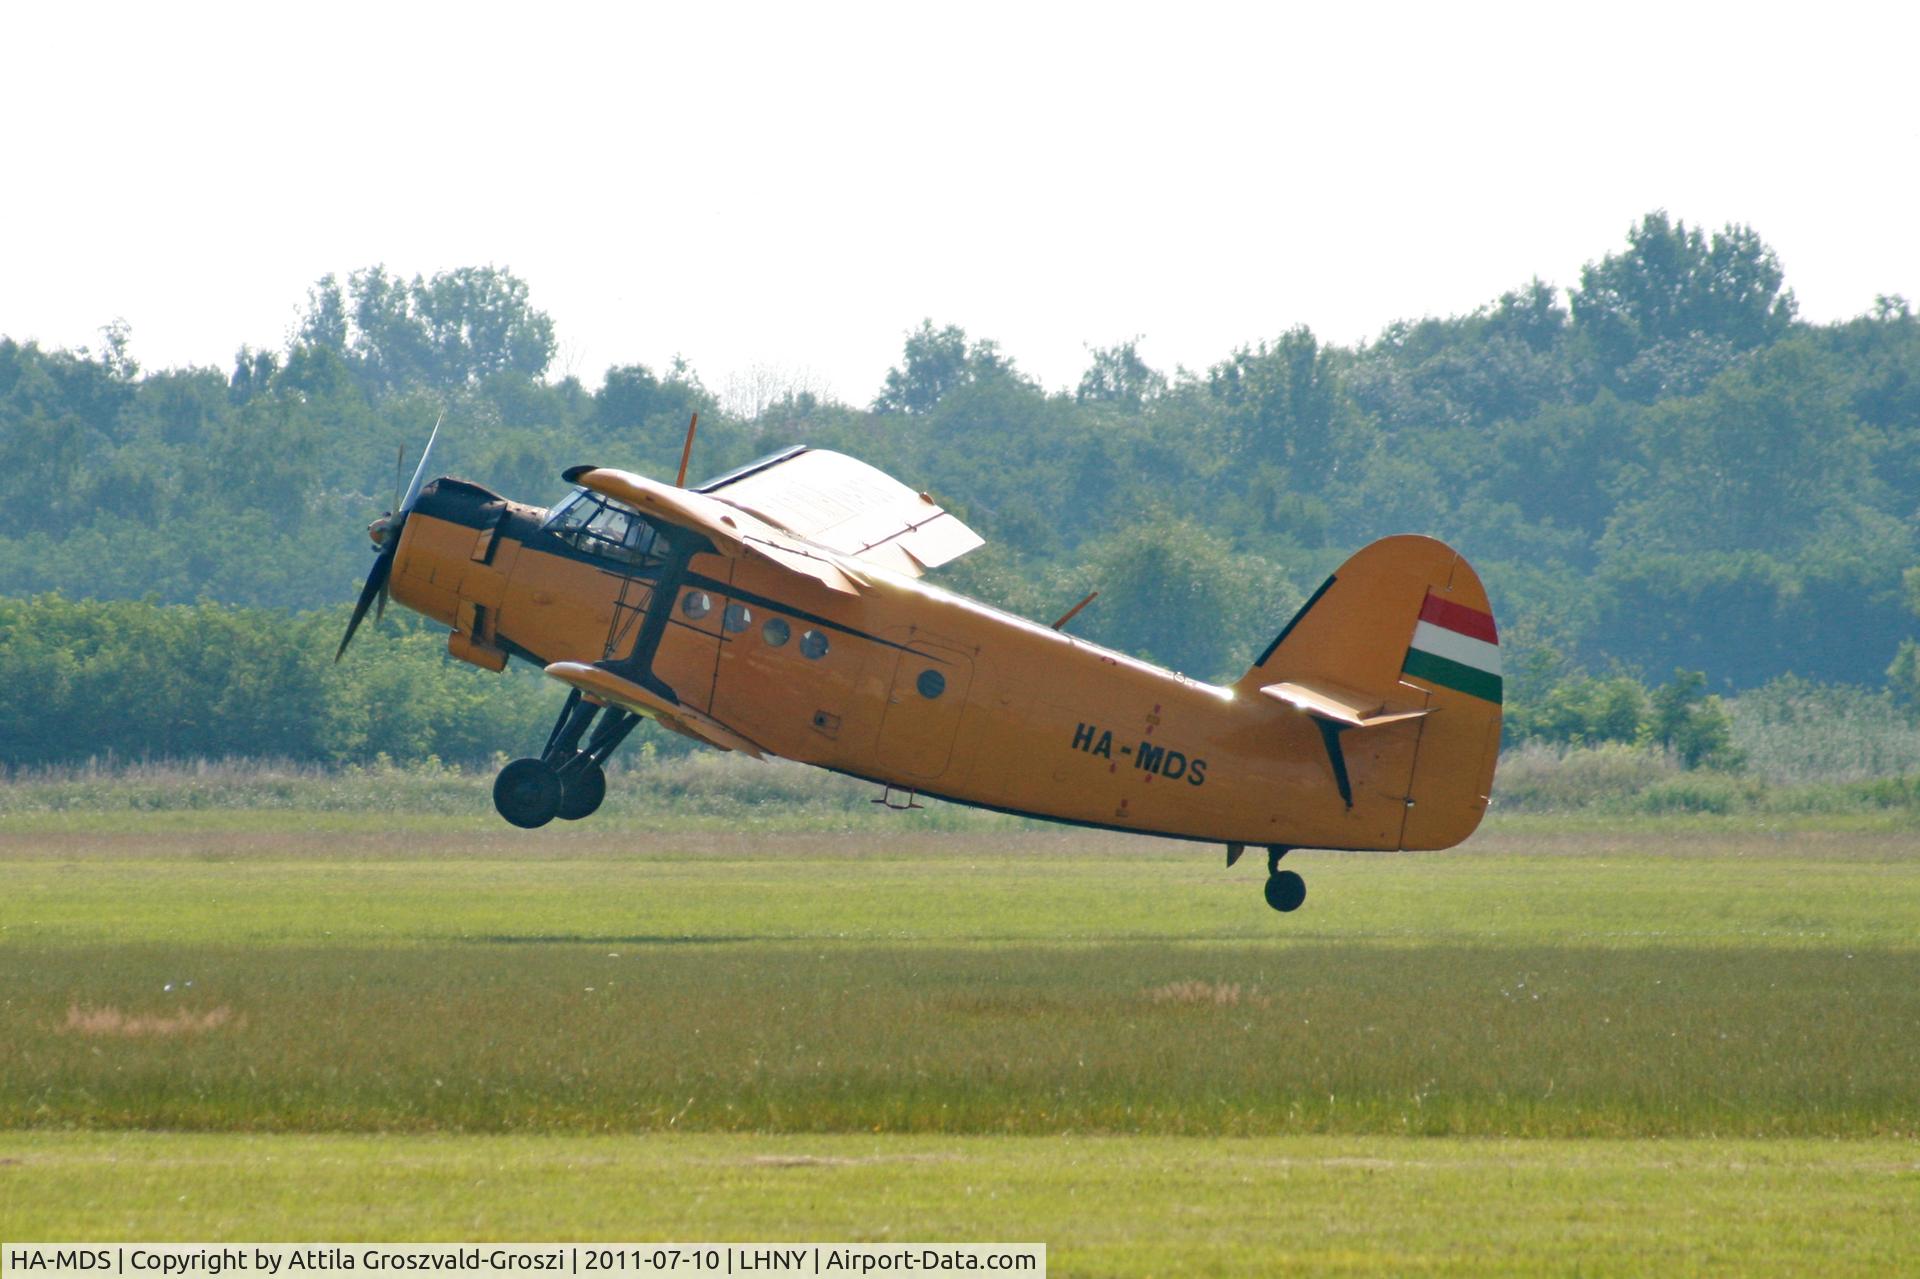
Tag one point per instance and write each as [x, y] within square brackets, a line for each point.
[841, 1161]
[1218, 994]
[111, 1021]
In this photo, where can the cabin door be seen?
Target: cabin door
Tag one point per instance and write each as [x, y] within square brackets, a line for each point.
[929, 691]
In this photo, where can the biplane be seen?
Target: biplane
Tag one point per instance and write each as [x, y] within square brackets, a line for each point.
[781, 609]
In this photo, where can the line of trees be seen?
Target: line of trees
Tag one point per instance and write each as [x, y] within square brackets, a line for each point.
[134, 680]
[1661, 467]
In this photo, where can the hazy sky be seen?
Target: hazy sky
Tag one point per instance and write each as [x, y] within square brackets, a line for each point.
[794, 186]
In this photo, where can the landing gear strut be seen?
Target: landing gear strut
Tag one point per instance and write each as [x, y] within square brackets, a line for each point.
[1285, 890]
[565, 781]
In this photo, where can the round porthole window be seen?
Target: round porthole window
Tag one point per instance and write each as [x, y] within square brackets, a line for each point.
[696, 604]
[813, 644]
[776, 632]
[737, 618]
[931, 684]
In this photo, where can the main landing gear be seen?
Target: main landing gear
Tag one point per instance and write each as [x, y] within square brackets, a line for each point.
[566, 781]
[1285, 890]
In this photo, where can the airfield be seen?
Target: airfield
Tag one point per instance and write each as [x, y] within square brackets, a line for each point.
[1638, 1046]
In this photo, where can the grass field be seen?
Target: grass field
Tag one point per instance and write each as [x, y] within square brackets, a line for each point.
[1680, 1047]
[1104, 1205]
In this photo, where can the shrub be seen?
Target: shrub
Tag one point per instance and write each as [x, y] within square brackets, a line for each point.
[1699, 792]
[1538, 777]
[1793, 731]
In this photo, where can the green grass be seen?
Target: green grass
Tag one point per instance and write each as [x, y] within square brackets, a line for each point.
[348, 887]
[1128, 1206]
[975, 985]
[1607, 1049]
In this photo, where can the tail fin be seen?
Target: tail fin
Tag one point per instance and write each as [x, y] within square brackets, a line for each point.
[1401, 634]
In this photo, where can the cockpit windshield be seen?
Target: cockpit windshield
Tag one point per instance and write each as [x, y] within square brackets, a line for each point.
[605, 529]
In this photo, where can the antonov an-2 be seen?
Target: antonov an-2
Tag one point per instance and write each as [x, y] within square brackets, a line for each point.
[780, 610]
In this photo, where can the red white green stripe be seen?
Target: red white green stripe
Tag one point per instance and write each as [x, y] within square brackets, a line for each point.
[1455, 647]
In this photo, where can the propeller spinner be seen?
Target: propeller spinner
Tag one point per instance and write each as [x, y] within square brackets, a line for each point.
[385, 533]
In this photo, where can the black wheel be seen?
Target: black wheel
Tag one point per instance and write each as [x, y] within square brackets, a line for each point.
[583, 784]
[527, 793]
[1285, 891]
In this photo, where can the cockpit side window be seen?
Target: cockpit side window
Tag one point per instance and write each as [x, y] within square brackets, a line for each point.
[605, 529]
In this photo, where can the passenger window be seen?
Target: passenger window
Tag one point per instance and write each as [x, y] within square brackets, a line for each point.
[813, 644]
[737, 618]
[776, 632]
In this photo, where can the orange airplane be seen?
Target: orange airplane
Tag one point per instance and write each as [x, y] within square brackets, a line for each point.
[779, 609]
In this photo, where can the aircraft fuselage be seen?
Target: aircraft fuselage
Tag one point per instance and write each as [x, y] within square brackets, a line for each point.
[917, 688]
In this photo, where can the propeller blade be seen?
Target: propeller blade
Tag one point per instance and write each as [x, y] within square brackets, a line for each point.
[376, 585]
[375, 589]
[420, 471]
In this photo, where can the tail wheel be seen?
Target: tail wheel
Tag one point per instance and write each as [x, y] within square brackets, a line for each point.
[1285, 891]
[583, 784]
[527, 793]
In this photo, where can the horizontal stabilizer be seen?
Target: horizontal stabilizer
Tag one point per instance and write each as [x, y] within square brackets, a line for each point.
[1344, 706]
[605, 686]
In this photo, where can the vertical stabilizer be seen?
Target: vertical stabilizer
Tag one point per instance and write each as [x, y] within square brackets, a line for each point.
[1401, 637]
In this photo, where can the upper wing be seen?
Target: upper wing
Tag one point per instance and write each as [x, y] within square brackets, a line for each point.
[734, 532]
[845, 505]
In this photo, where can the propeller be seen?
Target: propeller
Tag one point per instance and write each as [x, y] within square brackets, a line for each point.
[384, 522]
[385, 532]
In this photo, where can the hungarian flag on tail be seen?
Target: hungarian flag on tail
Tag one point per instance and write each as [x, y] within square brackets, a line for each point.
[1455, 647]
